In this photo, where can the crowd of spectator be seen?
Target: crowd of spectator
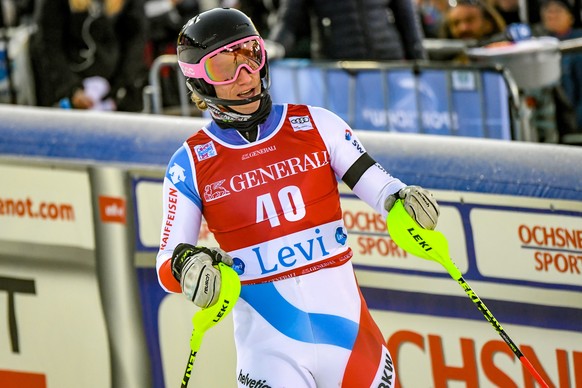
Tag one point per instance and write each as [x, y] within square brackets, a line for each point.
[352, 29]
[96, 54]
[558, 20]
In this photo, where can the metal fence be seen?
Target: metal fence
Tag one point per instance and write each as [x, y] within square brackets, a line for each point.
[415, 97]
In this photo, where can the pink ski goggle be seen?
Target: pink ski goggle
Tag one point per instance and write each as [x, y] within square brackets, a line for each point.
[222, 66]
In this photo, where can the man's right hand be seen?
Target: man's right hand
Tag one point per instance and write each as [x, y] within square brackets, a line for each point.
[194, 267]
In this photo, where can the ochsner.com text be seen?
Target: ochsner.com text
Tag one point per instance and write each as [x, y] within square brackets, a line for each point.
[27, 208]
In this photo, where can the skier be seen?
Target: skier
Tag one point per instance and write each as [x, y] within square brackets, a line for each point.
[263, 176]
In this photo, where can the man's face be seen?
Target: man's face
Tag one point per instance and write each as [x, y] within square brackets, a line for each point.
[556, 18]
[467, 22]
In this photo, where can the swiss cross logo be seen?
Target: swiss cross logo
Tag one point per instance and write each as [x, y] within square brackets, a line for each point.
[348, 134]
[112, 209]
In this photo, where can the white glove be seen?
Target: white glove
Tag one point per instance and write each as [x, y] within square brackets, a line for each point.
[194, 267]
[419, 203]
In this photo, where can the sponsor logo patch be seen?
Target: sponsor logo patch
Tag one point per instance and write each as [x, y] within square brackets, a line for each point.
[238, 266]
[259, 152]
[205, 151]
[300, 123]
[187, 70]
[388, 373]
[247, 381]
[112, 209]
[341, 236]
[215, 190]
[176, 173]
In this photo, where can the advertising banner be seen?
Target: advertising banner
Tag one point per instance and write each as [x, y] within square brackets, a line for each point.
[53, 332]
[45, 205]
[522, 261]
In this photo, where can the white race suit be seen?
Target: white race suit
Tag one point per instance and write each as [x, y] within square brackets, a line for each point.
[274, 206]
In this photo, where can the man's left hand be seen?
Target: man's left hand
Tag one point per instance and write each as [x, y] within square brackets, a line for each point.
[419, 203]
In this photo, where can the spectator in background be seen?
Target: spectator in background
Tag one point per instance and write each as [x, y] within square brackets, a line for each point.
[432, 16]
[15, 12]
[474, 22]
[471, 20]
[165, 18]
[509, 10]
[557, 20]
[89, 54]
[352, 29]
[262, 12]
[16, 25]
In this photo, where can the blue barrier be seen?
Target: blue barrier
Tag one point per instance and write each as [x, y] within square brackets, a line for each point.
[370, 101]
[484, 166]
[468, 105]
[460, 101]
[339, 86]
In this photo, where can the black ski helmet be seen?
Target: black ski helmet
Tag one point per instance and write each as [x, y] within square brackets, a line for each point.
[209, 31]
